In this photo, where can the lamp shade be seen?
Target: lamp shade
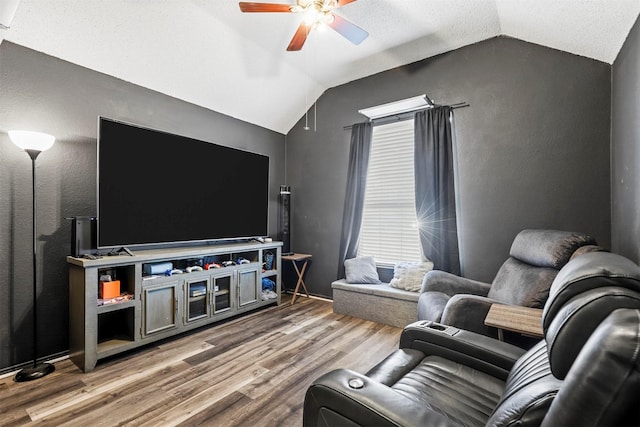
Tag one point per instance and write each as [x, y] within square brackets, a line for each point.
[28, 140]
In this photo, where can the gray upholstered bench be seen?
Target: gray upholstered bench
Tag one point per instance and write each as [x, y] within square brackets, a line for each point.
[376, 302]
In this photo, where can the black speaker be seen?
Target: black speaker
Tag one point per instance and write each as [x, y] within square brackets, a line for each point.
[284, 219]
[83, 235]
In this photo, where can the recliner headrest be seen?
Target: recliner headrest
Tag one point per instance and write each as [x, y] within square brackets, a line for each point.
[583, 294]
[548, 248]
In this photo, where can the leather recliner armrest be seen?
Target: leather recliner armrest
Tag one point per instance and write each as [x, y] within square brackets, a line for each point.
[474, 350]
[468, 312]
[331, 401]
[450, 284]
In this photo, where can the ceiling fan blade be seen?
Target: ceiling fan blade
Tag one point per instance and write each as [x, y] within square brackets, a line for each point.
[343, 2]
[348, 30]
[264, 7]
[299, 38]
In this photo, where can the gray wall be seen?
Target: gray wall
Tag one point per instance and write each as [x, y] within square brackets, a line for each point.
[39, 92]
[532, 149]
[625, 149]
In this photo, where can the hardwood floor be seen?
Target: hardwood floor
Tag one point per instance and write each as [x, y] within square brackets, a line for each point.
[250, 371]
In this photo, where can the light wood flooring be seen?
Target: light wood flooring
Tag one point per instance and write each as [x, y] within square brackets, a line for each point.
[250, 371]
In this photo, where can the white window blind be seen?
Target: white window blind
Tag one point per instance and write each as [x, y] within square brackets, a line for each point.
[389, 227]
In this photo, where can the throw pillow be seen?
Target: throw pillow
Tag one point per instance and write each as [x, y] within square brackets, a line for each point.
[361, 270]
[409, 275]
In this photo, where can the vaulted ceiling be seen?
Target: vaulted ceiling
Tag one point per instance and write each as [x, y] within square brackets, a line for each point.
[209, 53]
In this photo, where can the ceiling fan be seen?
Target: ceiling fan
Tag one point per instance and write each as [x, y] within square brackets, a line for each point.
[316, 13]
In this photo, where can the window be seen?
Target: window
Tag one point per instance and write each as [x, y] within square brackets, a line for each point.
[389, 227]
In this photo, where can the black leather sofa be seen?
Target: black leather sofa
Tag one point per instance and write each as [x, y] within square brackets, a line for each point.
[586, 372]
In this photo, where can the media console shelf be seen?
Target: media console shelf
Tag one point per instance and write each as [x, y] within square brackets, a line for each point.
[156, 306]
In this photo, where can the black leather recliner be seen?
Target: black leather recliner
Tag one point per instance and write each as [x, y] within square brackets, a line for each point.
[586, 372]
[524, 279]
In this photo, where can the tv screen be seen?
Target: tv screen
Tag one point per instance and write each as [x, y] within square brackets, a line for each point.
[155, 187]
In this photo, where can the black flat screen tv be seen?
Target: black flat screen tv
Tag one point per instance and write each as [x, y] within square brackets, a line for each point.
[158, 188]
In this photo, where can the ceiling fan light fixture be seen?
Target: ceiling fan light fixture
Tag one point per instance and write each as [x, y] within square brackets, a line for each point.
[316, 14]
[311, 16]
[329, 5]
[328, 18]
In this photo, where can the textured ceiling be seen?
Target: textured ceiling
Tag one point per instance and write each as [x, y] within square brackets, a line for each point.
[209, 53]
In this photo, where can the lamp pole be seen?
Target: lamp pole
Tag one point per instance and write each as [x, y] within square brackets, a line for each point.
[41, 142]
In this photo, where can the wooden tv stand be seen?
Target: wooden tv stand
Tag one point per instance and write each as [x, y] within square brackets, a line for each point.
[157, 306]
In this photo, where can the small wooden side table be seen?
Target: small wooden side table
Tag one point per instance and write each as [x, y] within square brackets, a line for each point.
[524, 320]
[295, 258]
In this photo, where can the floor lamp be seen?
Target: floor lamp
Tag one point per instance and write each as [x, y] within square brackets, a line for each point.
[284, 219]
[33, 143]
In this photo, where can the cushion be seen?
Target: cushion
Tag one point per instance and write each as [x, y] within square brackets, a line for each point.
[431, 305]
[467, 396]
[590, 271]
[586, 249]
[375, 289]
[548, 248]
[361, 270]
[584, 293]
[532, 288]
[529, 391]
[409, 275]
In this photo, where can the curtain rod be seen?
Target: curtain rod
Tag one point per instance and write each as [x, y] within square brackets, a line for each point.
[406, 114]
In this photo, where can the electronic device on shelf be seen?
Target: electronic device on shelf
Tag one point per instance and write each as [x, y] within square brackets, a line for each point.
[139, 208]
[83, 236]
[157, 268]
[197, 290]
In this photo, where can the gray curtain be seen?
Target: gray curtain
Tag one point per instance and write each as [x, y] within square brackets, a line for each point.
[354, 198]
[435, 193]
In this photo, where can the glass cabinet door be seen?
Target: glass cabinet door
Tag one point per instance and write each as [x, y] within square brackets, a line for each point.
[221, 291]
[197, 297]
